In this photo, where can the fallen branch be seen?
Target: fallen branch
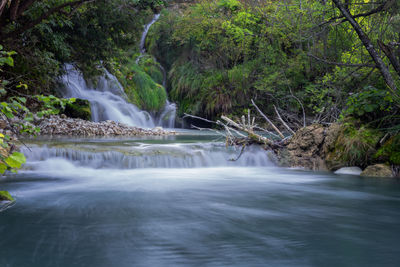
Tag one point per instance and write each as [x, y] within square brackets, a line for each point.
[251, 134]
[268, 120]
[282, 121]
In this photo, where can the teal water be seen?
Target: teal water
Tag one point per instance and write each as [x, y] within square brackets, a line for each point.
[75, 208]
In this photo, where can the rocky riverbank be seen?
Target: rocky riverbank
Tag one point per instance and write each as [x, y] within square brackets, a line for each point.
[63, 125]
[331, 148]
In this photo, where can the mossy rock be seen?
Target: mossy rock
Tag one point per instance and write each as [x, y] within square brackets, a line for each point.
[141, 88]
[351, 146]
[378, 170]
[79, 109]
[5, 196]
[390, 151]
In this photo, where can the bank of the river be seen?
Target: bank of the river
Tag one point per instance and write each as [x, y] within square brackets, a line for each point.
[62, 125]
[342, 145]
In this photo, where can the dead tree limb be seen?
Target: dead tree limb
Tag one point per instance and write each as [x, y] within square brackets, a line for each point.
[268, 120]
[283, 122]
[251, 134]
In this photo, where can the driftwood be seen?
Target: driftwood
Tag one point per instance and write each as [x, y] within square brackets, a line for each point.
[245, 131]
[268, 120]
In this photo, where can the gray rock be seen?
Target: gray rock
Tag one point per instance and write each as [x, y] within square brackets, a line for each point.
[378, 170]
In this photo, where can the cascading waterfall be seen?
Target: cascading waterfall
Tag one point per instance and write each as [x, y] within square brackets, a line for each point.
[142, 46]
[167, 115]
[143, 155]
[108, 99]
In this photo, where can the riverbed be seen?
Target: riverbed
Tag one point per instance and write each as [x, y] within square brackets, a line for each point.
[187, 200]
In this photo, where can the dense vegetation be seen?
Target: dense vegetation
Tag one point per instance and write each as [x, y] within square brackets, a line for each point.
[330, 60]
[220, 54]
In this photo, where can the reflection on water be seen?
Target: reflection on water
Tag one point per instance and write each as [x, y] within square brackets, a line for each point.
[71, 214]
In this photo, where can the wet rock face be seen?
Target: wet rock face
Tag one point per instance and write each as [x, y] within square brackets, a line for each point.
[305, 148]
[62, 125]
[378, 170]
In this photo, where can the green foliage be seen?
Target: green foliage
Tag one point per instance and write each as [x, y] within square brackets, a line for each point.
[354, 146]
[390, 151]
[8, 161]
[4, 195]
[369, 104]
[52, 105]
[266, 46]
[90, 33]
[142, 82]
[6, 57]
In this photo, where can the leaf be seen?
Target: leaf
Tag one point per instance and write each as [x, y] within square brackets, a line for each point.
[15, 160]
[3, 168]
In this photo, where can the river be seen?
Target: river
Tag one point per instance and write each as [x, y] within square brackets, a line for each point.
[182, 201]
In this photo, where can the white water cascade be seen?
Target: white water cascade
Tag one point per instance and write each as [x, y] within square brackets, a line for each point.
[141, 155]
[107, 99]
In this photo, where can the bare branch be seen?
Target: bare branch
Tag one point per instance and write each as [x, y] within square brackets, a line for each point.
[282, 121]
[267, 119]
[340, 63]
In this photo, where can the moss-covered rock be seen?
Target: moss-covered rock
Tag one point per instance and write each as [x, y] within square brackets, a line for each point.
[5, 196]
[378, 170]
[348, 145]
[142, 84]
[390, 151]
[80, 109]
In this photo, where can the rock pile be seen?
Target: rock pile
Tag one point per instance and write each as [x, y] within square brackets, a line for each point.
[62, 125]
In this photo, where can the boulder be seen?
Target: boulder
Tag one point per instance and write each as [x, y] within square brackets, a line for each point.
[378, 170]
[304, 149]
[80, 109]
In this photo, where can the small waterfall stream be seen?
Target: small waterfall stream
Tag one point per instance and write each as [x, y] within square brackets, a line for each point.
[167, 115]
[108, 99]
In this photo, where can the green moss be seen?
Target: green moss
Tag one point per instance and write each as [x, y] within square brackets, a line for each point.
[4, 195]
[390, 151]
[143, 88]
[79, 109]
[152, 68]
[353, 146]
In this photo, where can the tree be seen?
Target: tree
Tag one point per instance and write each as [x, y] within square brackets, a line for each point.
[15, 14]
[387, 76]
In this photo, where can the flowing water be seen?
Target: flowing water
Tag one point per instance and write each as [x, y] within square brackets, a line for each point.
[107, 97]
[182, 201]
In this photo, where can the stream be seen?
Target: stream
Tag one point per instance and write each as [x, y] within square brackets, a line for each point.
[181, 201]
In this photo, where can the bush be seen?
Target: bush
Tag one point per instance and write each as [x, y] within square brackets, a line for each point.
[369, 104]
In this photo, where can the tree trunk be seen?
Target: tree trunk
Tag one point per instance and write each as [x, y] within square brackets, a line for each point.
[2, 6]
[370, 48]
[391, 56]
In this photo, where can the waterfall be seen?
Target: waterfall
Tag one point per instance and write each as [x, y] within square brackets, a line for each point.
[142, 46]
[166, 118]
[142, 155]
[107, 99]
